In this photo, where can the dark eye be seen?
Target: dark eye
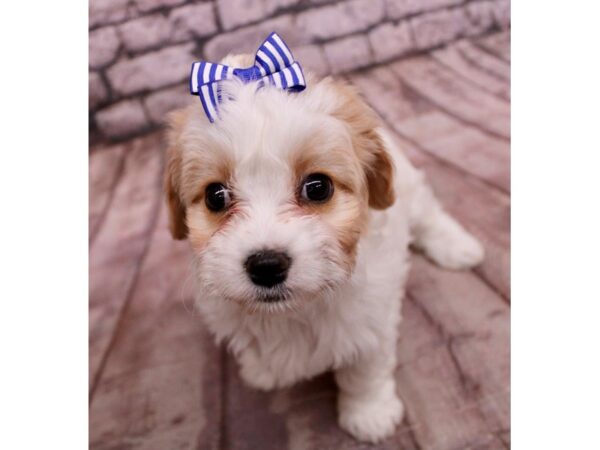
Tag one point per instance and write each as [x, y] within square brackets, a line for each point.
[217, 197]
[317, 188]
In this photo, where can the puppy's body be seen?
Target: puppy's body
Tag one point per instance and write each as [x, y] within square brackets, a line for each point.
[339, 307]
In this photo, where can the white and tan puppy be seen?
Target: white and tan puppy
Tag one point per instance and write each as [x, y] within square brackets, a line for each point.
[300, 212]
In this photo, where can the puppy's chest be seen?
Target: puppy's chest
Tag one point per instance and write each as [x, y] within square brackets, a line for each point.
[313, 343]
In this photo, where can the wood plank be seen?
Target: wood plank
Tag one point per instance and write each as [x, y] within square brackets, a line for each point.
[421, 123]
[454, 360]
[476, 66]
[475, 324]
[497, 44]
[121, 242]
[490, 64]
[161, 386]
[105, 169]
[485, 157]
[455, 96]
[444, 404]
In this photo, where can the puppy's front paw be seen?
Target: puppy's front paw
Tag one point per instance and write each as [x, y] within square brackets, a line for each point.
[370, 420]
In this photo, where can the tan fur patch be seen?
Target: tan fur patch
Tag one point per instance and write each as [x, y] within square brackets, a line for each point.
[204, 223]
[188, 174]
[172, 183]
[363, 124]
[346, 212]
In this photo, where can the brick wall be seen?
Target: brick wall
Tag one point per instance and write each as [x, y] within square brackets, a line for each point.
[141, 50]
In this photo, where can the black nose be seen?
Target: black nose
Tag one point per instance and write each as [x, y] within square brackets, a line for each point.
[267, 267]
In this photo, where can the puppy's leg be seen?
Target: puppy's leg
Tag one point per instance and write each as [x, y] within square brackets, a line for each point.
[368, 406]
[441, 237]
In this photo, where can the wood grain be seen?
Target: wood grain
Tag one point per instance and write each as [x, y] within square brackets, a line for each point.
[477, 66]
[455, 96]
[497, 44]
[120, 244]
[106, 168]
[470, 322]
[160, 387]
[418, 121]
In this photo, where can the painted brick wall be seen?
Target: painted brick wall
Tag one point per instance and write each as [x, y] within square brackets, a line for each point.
[141, 50]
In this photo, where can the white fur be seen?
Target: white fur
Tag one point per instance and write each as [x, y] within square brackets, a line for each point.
[333, 320]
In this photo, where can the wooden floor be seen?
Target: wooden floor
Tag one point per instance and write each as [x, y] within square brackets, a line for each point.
[157, 381]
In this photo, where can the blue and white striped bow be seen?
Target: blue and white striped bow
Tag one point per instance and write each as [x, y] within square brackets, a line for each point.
[273, 63]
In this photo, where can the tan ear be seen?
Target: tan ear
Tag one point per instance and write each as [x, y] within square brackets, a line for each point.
[172, 185]
[368, 144]
[380, 177]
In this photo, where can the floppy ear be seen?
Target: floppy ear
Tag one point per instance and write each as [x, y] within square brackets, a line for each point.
[369, 146]
[172, 185]
[380, 175]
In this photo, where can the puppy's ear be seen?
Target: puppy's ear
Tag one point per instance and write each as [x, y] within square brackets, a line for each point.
[368, 144]
[380, 176]
[172, 185]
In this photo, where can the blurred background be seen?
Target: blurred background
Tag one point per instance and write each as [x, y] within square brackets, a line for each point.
[438, 74]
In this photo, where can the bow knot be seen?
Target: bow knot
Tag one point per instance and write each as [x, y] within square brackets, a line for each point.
[273, 64]
[248, 75]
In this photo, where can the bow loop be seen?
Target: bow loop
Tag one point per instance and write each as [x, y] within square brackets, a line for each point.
[273, 64]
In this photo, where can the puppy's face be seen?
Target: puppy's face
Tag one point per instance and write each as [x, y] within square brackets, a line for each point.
[274, 195]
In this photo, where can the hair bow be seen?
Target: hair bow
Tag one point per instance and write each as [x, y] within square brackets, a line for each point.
[273, 64]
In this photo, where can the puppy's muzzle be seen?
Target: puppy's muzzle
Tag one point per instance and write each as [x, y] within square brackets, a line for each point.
[268, 268]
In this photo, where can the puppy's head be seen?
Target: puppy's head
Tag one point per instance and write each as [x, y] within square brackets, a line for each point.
[274, 195]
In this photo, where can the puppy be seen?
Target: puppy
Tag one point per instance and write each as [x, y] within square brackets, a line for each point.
[300, 211]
